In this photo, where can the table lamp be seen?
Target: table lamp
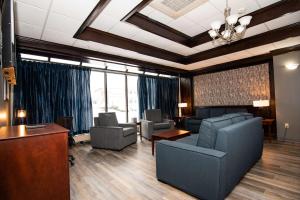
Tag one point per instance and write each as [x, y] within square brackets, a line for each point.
[180, 106]
[21, 114]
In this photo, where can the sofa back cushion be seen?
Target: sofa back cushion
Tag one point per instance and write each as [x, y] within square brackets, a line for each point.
[153, 115]
[202, 113]
[235, 110]
[108, 119]
[216, 112]
[235, 117]
[247, 115]
[208, 131]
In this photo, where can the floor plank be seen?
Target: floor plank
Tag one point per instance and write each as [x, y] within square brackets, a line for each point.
[130, 174]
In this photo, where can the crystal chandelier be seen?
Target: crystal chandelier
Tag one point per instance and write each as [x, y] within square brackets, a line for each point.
[231, 32]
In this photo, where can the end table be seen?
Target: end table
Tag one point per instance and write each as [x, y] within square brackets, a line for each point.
[268, 123]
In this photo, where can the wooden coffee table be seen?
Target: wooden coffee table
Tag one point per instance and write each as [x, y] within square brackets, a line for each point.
[169, 135]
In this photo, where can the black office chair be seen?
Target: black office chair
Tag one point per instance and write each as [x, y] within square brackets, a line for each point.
[67, 122]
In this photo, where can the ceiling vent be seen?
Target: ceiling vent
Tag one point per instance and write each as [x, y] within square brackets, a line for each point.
[176, 8]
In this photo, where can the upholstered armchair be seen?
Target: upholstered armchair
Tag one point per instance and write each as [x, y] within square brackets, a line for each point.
[109, 134]
[153, 122]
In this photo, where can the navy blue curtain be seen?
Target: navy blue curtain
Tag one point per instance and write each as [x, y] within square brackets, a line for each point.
[48, 91]
[158, 93]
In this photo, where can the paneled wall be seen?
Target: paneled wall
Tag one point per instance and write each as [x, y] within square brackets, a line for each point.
[232, 87]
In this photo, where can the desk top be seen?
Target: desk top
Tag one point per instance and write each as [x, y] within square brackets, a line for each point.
[14, 132]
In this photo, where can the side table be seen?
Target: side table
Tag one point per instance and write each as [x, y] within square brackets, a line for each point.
[268, 123]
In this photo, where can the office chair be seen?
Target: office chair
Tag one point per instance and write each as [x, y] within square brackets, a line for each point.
[67, 122]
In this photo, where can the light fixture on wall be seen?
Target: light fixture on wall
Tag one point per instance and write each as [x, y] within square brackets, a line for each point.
[180, 106]
[231, 32]
[261, 103]
[3, 118]
[291, 66]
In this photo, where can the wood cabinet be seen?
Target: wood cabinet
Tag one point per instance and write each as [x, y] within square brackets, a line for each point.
[34, 163]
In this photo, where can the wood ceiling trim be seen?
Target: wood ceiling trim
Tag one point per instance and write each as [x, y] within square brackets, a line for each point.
[95, 35]
[292, 30]
[92, 16]
[260, 16]
[137, 9]
[158, 28]
[50, 48]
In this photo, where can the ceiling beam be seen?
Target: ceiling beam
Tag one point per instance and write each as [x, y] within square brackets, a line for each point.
[92, 16]
[95, 35]
[136, 9]
[292, 30]
[50, 48]
[260, 16]
[158, 28]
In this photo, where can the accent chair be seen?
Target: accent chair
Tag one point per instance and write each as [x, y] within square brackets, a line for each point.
[109, 134]
[153, 122]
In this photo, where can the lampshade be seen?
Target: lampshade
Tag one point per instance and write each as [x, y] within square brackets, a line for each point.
[21, 113]
[216, 25]
[245, 21]
[226, 34]
[261, 103]
[239, 29]
[232, 19]
[212, 33]
[182, 105]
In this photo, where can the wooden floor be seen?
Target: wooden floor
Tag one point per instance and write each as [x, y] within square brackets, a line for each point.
[130, 174]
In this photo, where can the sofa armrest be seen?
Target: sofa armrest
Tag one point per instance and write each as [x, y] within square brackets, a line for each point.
[171, 122]
[196, 170]
[128, 125]
[100, 133]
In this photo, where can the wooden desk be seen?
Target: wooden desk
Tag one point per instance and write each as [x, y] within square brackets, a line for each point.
[34, 163]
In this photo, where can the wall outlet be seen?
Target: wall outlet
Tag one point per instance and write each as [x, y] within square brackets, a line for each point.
[286, 125]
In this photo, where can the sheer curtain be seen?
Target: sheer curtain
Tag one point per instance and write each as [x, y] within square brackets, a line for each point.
[158, 93]
[48, 91]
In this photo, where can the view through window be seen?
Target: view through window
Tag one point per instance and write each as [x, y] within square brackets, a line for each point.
[97, 92]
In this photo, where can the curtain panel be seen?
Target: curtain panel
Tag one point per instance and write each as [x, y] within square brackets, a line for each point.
[158, 93]
[48, 91]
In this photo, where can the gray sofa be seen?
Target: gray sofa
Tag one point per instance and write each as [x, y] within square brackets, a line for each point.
[208, 165]
[153, 123]
[193, 123]
[109, 134]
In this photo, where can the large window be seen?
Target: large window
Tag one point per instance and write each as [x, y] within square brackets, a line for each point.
[116, 98]
[133, 106]
[97, 92]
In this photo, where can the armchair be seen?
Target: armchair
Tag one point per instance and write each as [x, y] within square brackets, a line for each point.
[153, 122]
[109, 134]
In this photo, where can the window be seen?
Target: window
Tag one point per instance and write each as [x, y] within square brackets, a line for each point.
[63, 61]
[97, 92]
[134, 70]
[94, 63]
[33, 57]
[116, 67]
[116, 98]
[133, 105]
[151, 74]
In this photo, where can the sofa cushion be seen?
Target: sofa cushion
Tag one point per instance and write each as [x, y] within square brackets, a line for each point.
[235, 117]
[194, 121]
[153, 115]
[162, 125]
[192, 139]
[128, 131]
[216, 112]
[96, 121]
[247, 115]
[208, 131]
[108, 119]
[202, 113]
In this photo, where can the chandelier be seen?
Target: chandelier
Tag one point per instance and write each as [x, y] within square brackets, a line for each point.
[231, 32]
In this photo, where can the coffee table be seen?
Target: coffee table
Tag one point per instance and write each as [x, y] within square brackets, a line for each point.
[169, 135]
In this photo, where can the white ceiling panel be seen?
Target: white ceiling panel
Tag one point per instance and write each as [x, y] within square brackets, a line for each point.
[104, 22]
[76, 9]
[235, 5]
[238, 55]
[81, 44]
[43, 4]
[61, 23]
[206, 46]
[254, 30]
[57, 37]
[118, 9]
[161, 17]
[124, 29]
[264, 3]
[285, 20]
[30, 14]
[262, 49]
[145, 37]
[287, 42]
[182, 24]
[206, 23]
[147, 10]
[28, 30]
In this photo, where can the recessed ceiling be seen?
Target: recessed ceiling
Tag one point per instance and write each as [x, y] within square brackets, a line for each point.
[58, 20]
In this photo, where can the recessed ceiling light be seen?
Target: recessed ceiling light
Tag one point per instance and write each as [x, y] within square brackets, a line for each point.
[292, 66]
